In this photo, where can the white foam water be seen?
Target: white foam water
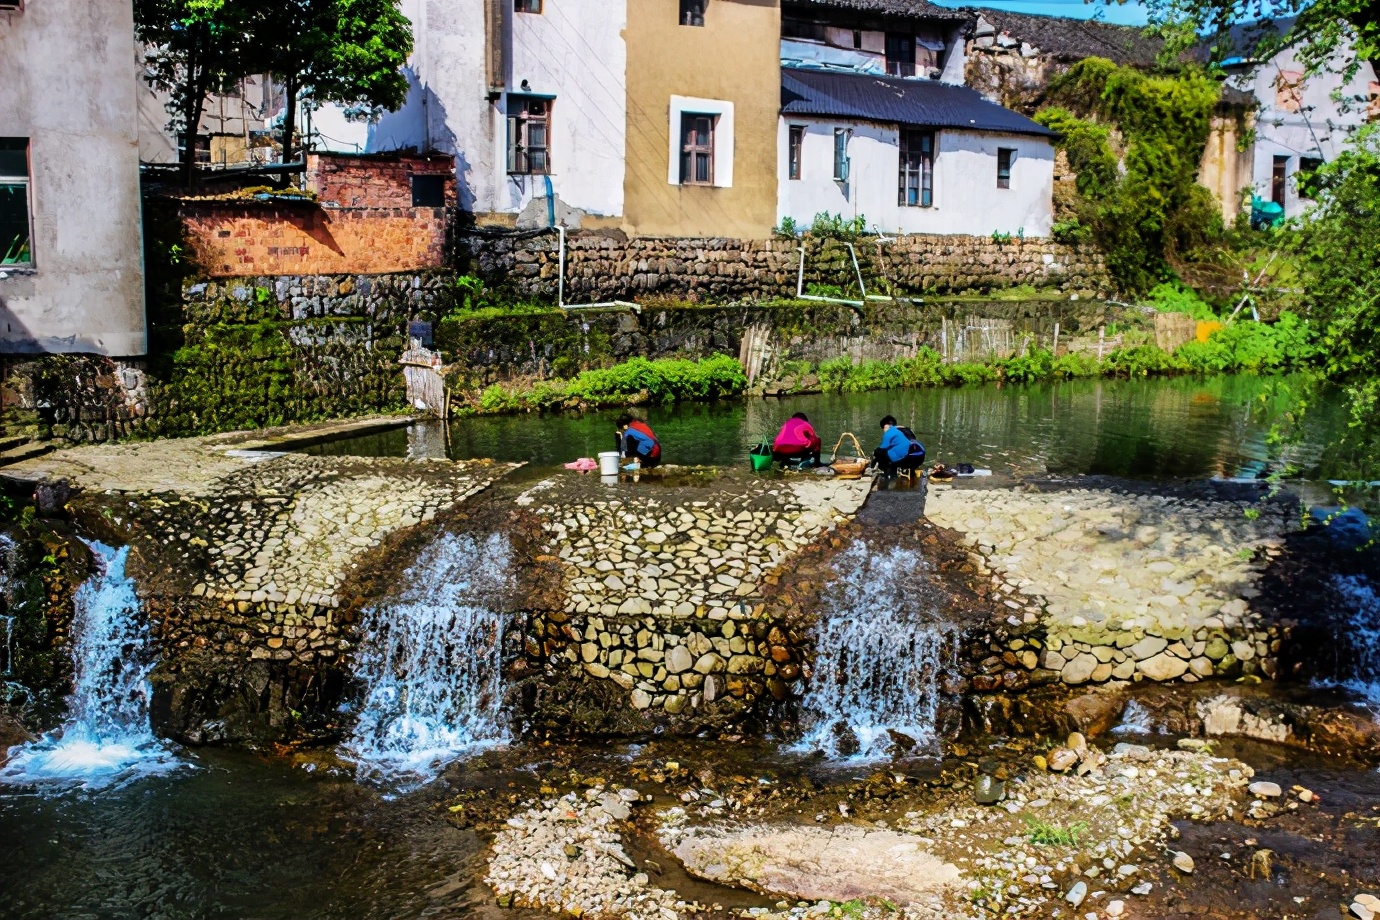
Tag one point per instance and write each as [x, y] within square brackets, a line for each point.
[106, 739]
[431, 663]
[882, 648]
[1136, 720]
[1358, 643]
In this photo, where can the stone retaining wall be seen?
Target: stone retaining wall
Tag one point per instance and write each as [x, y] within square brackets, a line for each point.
[1122, 587]
[604, 266]
[240, 353]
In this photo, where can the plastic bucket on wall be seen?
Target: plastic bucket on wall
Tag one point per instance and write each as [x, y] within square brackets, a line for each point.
[608, 463]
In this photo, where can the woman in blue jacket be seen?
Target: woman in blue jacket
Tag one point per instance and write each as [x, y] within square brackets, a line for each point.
[899, 449]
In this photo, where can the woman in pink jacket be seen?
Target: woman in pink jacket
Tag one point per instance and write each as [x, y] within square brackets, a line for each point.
[796, 442]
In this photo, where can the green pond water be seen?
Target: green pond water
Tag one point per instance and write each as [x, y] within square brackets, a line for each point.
[235, 835]
[1145, 429]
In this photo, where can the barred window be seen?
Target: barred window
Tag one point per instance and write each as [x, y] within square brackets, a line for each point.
[529, 135]
[697, 149]
[917, 169]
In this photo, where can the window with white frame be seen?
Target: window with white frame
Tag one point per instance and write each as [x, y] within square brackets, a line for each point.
[696, 149]
[15, 224]
[529, 135]
[841, 137]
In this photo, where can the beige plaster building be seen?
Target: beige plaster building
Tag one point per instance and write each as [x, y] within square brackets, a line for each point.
[704, 96]
[71, 272]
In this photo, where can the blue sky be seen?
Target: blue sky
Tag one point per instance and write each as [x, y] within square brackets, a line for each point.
[1130, 14]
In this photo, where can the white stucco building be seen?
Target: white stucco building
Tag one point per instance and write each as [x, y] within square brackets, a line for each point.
[71, 267]
[911, 156]
[1300, 121]
[530, 97]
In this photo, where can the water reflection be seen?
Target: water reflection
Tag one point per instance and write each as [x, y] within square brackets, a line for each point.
[1158, 428]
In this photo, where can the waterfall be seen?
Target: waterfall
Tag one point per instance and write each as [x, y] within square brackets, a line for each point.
[882, 648]
[106, 737]
[430, 662]
[1355, 655]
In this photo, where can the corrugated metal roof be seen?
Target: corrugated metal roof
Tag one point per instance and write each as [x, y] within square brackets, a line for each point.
[919, 103]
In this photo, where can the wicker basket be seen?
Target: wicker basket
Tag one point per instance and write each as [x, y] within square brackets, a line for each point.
[849, 467]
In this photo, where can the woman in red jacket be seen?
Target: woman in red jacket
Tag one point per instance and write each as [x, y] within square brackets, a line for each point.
[796, 442]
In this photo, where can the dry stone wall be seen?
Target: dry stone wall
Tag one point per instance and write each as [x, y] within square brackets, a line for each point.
[1123, 587]
[605, 266]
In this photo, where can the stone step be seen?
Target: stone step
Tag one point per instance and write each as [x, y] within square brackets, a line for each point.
[26, 450]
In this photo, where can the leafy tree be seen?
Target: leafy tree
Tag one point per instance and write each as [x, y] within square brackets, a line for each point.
[345, 51]
[193, 48]
[1135, 140]
[1319, 30]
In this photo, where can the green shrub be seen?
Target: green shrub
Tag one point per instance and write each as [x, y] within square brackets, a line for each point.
[1173, 297]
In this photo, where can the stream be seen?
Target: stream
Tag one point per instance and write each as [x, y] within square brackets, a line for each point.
[100, 819]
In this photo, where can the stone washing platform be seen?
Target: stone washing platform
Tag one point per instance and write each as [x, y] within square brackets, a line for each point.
[663, 583]
[1125, 586]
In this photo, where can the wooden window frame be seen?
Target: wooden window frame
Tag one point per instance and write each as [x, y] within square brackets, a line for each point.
[842, 136]
[690, 151]
[905, 44]
[534, 7]
[922, 170]
[795, 151]
[520, 125]
[1279, 180]
[24, 183]
[1005, 157]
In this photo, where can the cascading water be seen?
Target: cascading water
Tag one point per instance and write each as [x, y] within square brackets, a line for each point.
[431, 663]
[882, 649]
[1355, 655]
[106, 737]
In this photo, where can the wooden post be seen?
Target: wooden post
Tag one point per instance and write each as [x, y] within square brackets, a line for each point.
[1055, 350]
[1101, 337]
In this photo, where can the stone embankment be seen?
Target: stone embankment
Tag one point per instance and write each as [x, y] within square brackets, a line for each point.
[1123, 587]
[663, 586]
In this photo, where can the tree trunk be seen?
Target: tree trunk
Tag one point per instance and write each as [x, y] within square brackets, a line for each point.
[193, 103]
[289, 117]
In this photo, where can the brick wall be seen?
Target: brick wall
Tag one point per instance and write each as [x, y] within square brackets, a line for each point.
[234, 238]
[375, 181]
[361, 223]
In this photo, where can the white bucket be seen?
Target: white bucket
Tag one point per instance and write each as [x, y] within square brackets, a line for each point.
[608, 463]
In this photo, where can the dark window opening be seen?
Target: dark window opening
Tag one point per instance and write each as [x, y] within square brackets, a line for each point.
[15, 246]
[11, 6]
[1278, 177]
[527, 6]
[202, 151]
[857, 39]
[1306, 180]
[796, 149]
[900, 55]
[1004, 157]
[917, 169]
[692, 12]
[804, 29]
[696, 149]
[529, 136]
[428, 191]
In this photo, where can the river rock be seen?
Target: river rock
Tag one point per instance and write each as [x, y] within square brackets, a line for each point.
[1361, 911]
[1095, 713]
[1079, 669]
[813, 863]
[1115, 908]
[1369, 901]
[1183, 862]
[1061, 759]
[1163, 667]
[1148, 647]
[679, 659]
[1077, 893]
[1265, 790]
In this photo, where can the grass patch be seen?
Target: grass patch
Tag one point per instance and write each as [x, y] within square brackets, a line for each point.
[1051, 833]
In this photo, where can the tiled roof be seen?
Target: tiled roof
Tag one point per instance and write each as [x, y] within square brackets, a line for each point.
[1075, 39]
[919, 103]
[911, 9]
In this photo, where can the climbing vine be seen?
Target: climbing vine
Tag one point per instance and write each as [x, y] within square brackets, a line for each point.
[1135, 141]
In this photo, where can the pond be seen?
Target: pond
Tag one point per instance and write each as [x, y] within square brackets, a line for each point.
[1180, 427]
